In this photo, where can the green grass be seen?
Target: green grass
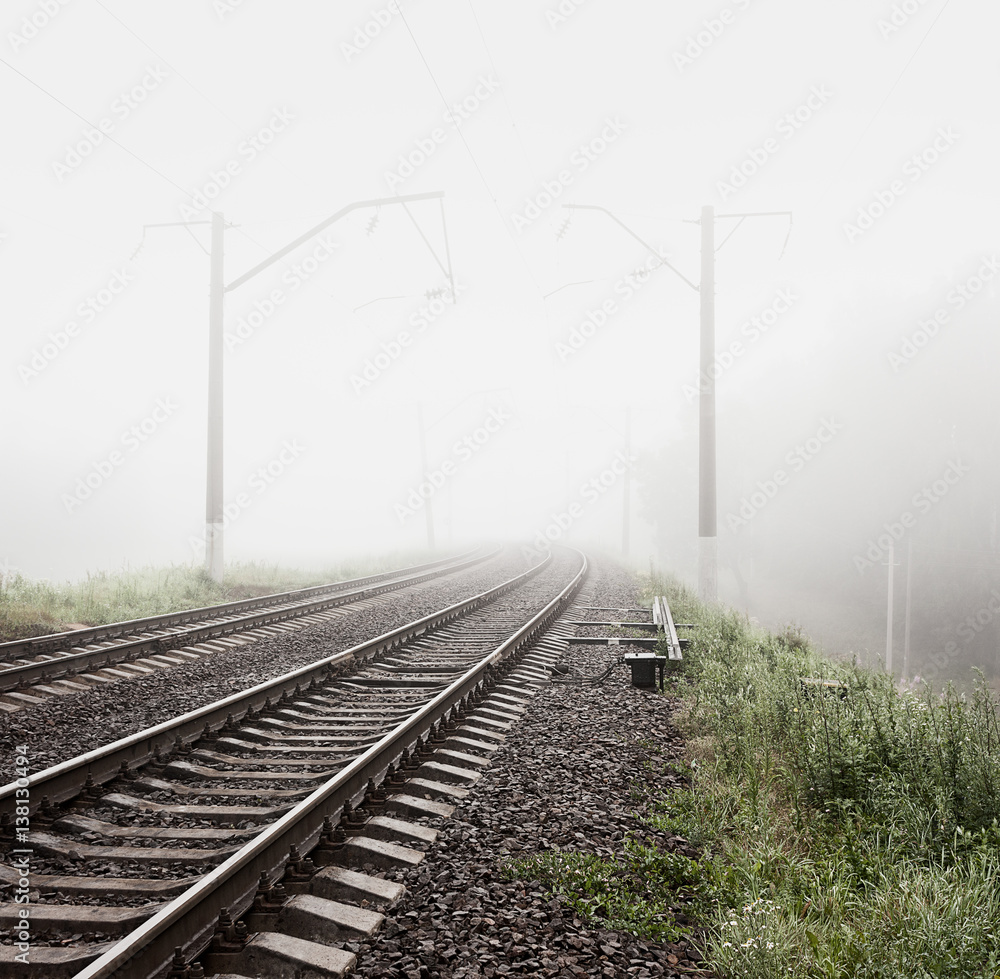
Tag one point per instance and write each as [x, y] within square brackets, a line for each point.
[635, 892]
[851, 831]
[35, 607]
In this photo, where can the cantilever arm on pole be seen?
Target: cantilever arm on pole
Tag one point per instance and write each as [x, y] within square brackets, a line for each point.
[646, 245]
[302, 239]
[757, 214]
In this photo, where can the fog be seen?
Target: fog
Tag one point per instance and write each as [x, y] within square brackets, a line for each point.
[514, 365]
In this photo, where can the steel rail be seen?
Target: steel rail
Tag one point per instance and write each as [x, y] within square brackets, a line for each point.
[189, 920]
[16, 677]
[64, 781]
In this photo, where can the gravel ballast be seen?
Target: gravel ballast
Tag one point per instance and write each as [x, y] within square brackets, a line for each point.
[575, 774]
[566, 779]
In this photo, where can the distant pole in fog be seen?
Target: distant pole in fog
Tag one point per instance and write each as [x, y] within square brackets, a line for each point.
[627, 489]
[708, 569]
[428, 513]
[569, 478]
[888, 615]
[708, 541]
[906, 624]
[213, 501]
[708, 554]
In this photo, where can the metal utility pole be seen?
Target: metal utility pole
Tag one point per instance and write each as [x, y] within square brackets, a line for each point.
[213, 502]
[888, 617]
[906, 624]
[428, 514]
[708, 541]
[214, 515]
[627, 489]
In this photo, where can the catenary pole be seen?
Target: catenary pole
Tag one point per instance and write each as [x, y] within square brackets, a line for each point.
[708, 543]
[428, 513]
[888, 614]
[707, 496]
[909, 596]
[214, 514]
[627, 488]
[213, 501]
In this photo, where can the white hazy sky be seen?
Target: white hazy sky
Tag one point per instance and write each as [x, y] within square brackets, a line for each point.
[284, 113]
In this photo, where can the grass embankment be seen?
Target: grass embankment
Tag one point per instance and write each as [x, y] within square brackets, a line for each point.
[36, 607]
[845, 831]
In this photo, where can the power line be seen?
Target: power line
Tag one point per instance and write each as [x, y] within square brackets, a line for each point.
[144, 163]
[111, 139]
[472, 156]
[887, 96]
[240, 129]
[160, 57]
[503, 94]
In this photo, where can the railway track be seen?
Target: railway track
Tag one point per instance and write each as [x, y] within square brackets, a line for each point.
[172, 834]
[40, 667]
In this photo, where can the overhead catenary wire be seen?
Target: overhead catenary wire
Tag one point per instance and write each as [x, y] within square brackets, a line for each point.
[156, 170]
[468, 149]
[503, 94]
[198, 91]
[108, 137]
[135, 156]
[886, 97]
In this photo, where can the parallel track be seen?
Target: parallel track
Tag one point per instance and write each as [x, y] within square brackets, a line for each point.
[41, 659]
